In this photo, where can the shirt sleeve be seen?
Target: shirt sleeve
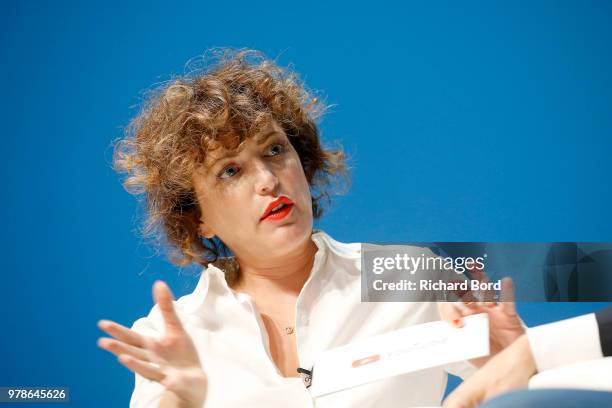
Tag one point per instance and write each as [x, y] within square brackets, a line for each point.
[146, 393]
[565, 342]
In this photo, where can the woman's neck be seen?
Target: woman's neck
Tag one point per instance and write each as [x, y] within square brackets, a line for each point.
[286, 275]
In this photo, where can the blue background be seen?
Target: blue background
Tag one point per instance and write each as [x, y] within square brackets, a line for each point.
[471, 121]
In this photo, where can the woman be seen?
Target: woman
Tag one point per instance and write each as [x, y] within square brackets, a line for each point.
[231, 159]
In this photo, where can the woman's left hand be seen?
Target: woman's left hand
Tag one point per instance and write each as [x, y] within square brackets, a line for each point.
[504, 323]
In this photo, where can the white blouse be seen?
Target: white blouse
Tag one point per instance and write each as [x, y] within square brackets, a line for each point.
[233, 345]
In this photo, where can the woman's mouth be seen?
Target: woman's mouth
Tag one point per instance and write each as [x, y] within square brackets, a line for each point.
[277, 209]
[280, 212]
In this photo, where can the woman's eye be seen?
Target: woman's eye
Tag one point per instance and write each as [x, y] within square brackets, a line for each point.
[228, 172]
[276, 149]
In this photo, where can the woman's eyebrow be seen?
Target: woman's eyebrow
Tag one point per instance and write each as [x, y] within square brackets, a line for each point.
[259, 139]
[216, 160]
[263, 138]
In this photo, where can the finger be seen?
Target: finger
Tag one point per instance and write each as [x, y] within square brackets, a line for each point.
[472, 308]
[163, 297]
[468, 297]
[122, 333]
[507, 297]
[146, 369]
[487, 295]
[451, 313]
[117, 348]
[465, 295]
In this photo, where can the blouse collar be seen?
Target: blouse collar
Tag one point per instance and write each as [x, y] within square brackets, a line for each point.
[213, 279]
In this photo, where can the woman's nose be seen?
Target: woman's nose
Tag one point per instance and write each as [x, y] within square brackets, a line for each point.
[266, 181]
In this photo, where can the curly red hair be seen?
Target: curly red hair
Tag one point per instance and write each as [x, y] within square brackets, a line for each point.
[220, 106]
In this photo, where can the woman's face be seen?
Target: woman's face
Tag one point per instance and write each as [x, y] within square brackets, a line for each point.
[234, 189]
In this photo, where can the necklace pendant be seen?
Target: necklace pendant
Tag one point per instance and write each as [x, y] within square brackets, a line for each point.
[289, 330]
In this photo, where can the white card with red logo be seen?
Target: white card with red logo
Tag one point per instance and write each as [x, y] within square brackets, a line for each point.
[398, 352]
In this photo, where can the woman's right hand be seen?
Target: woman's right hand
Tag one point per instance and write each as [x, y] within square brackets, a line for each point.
[171, 360]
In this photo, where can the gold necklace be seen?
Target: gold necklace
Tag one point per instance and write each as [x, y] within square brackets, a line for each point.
[288, 330]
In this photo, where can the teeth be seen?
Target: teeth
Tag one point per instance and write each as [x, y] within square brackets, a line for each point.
[278, 207]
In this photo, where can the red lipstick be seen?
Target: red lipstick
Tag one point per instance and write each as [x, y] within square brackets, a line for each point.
[282, 207]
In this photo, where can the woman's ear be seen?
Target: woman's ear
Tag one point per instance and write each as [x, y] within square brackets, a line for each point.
[204, 230]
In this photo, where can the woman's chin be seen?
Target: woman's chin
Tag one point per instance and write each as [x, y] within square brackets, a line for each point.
[287, 238]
